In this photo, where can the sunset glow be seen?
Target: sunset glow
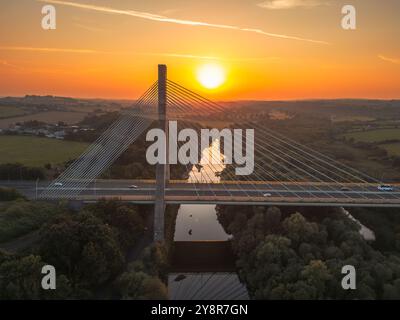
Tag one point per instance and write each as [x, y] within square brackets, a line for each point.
[211, 76]
[111, 49]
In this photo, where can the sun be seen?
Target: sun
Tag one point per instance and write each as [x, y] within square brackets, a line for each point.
[211, 75]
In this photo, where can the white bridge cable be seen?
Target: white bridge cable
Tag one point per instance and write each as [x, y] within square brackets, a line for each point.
[213, 287]
[217, 107]
[114, 147]
[74, 171]
[188, 288]
[228, 290]
[282, 151]
[181, 105]
[79, 177]
[219, 170]
[228, 172]
[209, 181]
[169, 100]
[362, 184]
[202, 286]
[246, 178]
[301, 169]
[194, 178]
[308, 150]
[96, 143]
[296, 158]
[276, 179]
[286, 168]
[215, 170]
[306, 172]
[177, 105]
[337, 163]
[222, 282]
[297, 167]
[305, 157]
[96, 165]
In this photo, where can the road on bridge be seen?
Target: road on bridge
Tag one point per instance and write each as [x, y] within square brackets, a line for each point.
[229, 192]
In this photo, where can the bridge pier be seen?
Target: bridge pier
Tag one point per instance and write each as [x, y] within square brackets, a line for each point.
[162, 170]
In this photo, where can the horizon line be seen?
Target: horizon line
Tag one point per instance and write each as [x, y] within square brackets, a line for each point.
[220, 100]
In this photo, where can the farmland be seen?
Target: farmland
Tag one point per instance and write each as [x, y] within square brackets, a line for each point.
[8, 112]
[393, 149]
[34, 151]
[48, 117]
[374, 136]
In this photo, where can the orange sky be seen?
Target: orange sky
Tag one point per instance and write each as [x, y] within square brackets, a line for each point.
[111, 49]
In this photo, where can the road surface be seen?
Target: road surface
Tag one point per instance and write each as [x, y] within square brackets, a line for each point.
[285, 193]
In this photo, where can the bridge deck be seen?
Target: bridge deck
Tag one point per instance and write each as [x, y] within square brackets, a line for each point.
[237, 193]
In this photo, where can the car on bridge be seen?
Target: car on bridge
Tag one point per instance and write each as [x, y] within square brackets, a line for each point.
[267, 195]
[385, 187]
[133, 186]
[345, 189]
[58, 184]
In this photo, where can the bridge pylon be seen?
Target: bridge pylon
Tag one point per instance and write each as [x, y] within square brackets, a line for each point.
[162, 170]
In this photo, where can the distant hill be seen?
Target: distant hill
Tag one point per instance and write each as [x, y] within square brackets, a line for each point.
[334, 109]
[51, 103]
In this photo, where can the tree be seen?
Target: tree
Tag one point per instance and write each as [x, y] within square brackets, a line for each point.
[300, 259]
[126, 220]
[316, 275]
[9, 194]
[20, 217]
[21, 279]
[299, 230]
[140, 285]
[273, 219]
[155, 260]
[83, 248]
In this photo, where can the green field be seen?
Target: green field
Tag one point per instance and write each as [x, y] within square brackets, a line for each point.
[374, 135]
[35, 151]
[48, 117]
[393, 149]
[350, 118]
[7, 112]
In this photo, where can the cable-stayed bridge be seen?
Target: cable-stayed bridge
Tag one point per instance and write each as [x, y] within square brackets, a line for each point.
[289, 172]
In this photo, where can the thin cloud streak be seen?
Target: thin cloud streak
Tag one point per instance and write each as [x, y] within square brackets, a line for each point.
[387, 59]
[159, 18]
[289, 4]
[9, 65]
[89, 28]
[159, 54]
[180, 55]
[214, 58]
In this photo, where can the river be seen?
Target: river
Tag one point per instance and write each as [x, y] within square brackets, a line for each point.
[200, 223]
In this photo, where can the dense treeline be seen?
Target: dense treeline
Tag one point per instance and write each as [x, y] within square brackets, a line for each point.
[385, 222]
[145, 278]
[9, 194]
[20, 217]
[284, 255]
[97, 124]
[17, 171]
[88, 250]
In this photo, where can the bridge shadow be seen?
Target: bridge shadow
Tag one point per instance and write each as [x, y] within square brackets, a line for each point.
[202, 256]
